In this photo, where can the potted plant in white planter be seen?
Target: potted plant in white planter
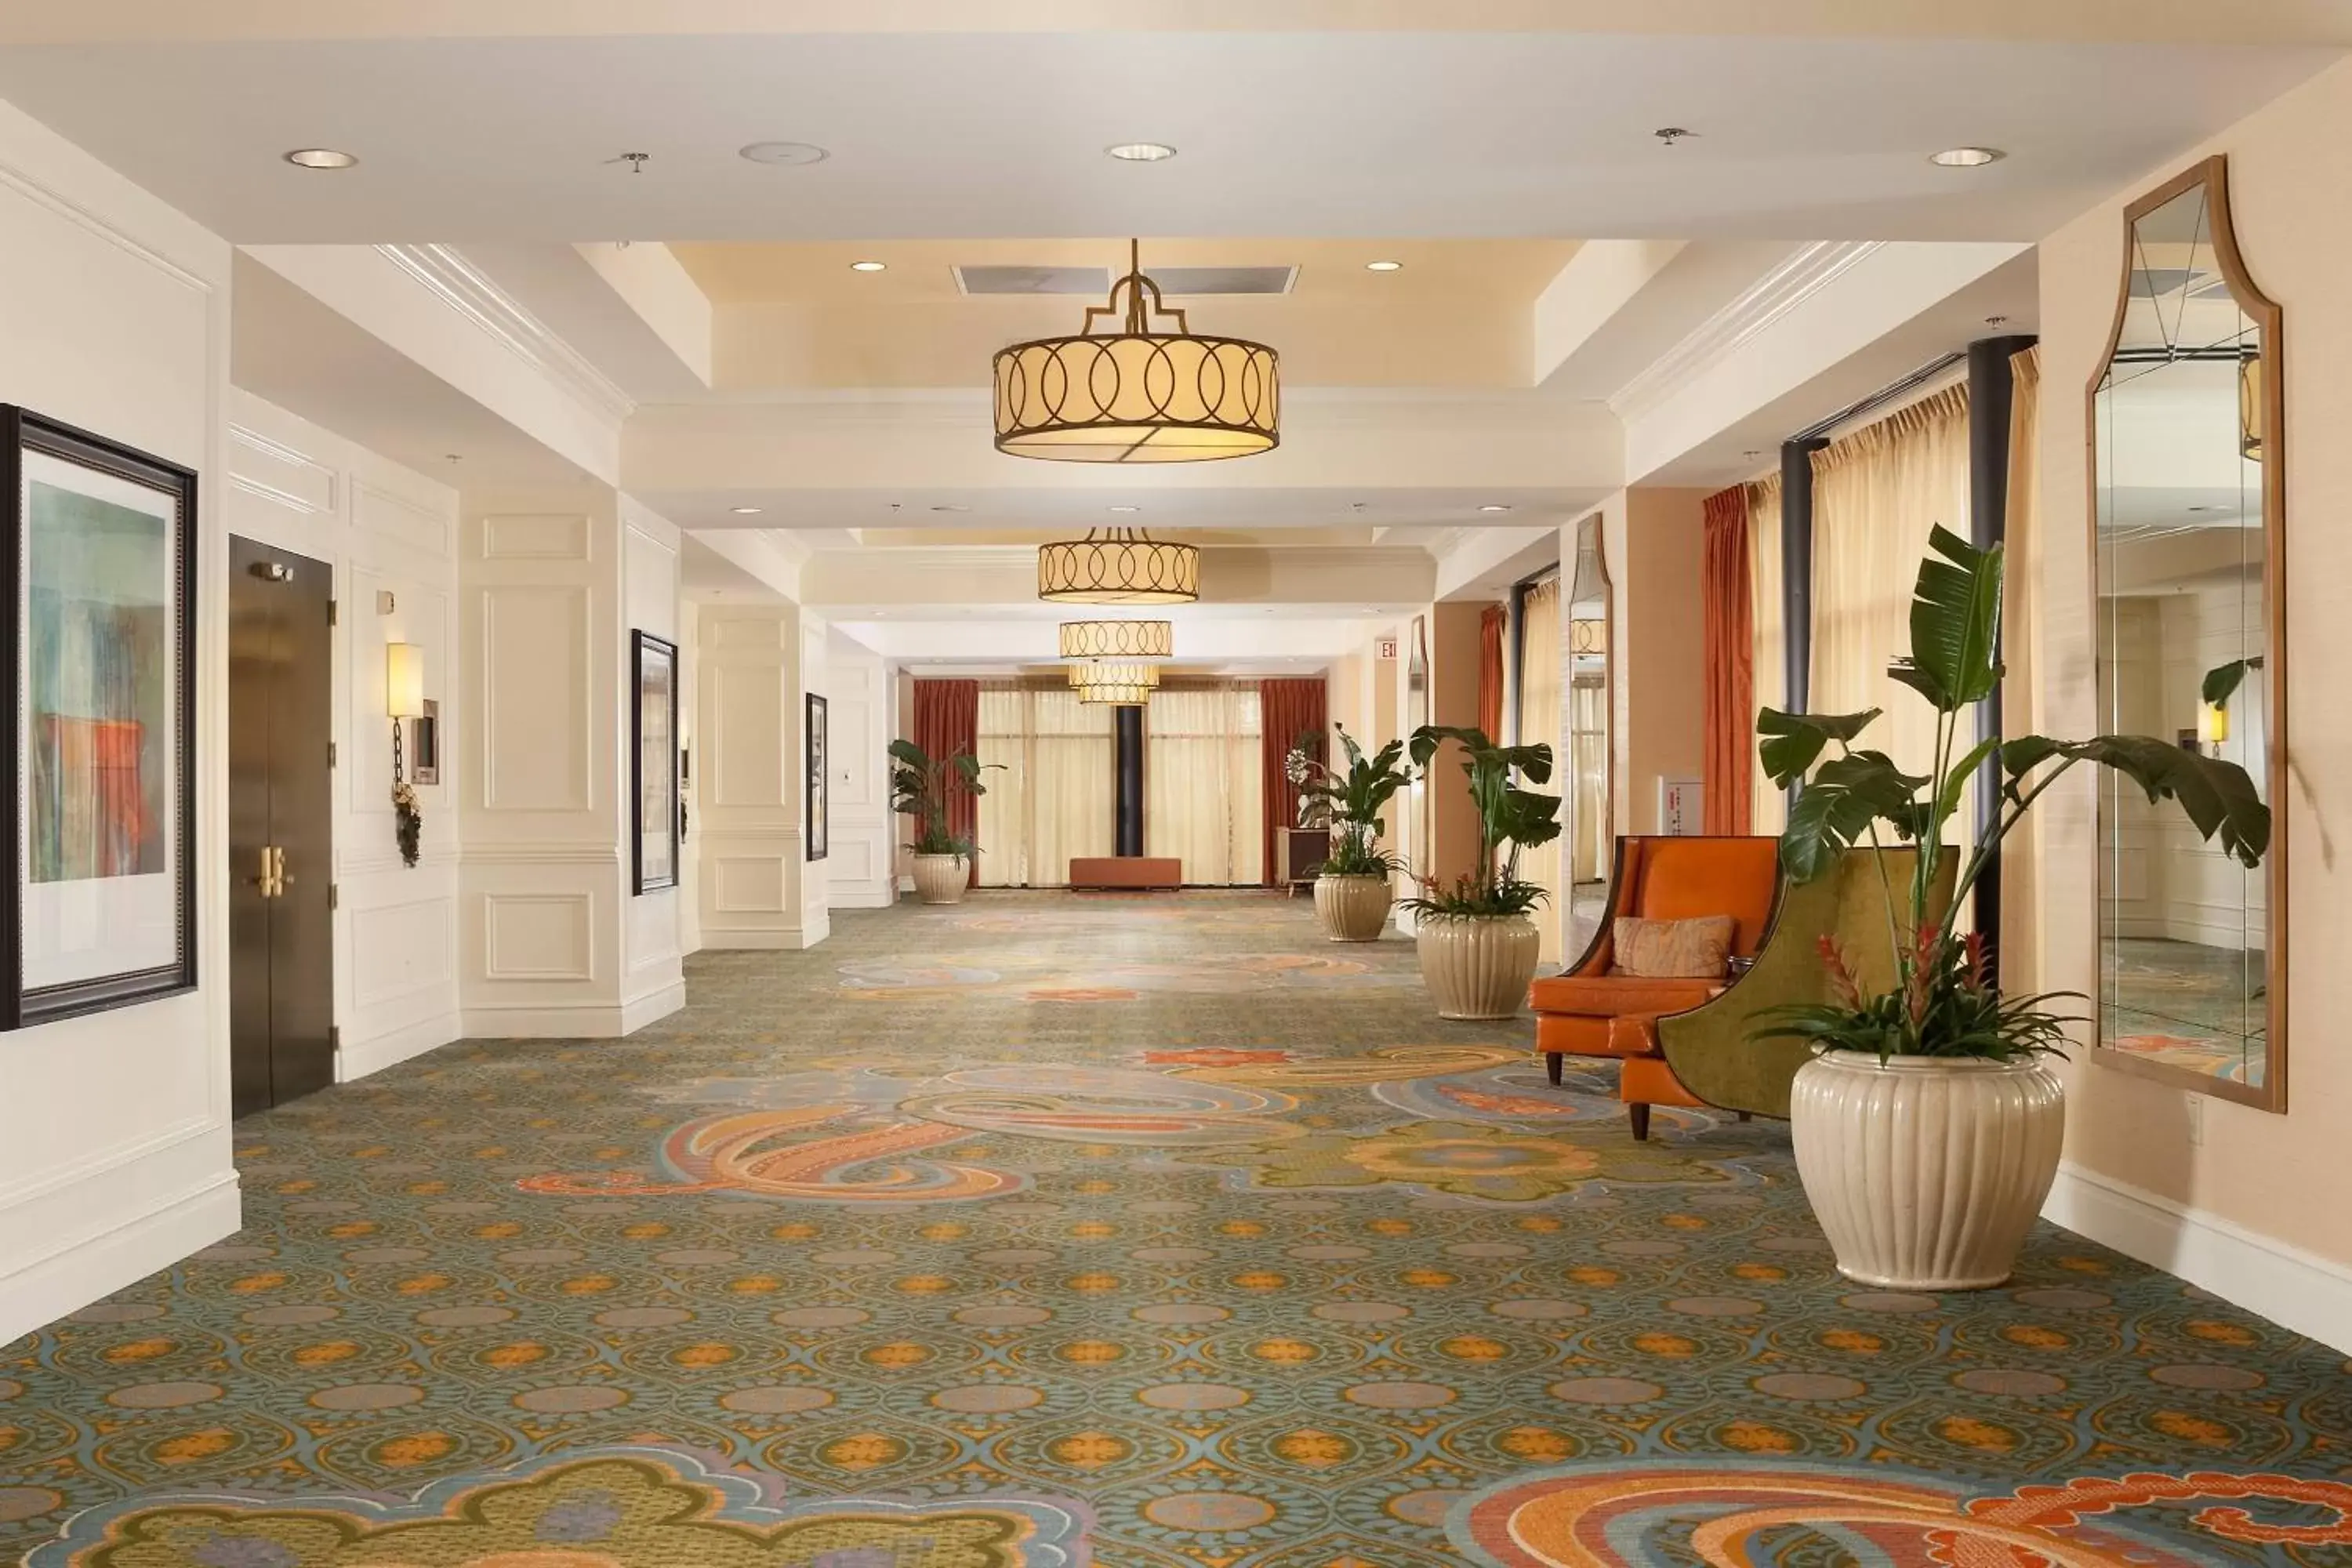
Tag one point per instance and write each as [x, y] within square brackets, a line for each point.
[1478, 948]
[918, 788]
[1927, 1126]
[1355, 888]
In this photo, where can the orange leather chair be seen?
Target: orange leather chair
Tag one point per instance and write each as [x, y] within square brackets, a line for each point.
[1592, 1011]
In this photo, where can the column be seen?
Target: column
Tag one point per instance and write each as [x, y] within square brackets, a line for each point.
[759, 889]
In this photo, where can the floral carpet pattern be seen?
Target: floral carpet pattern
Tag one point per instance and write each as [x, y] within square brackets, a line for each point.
[1051, 1230]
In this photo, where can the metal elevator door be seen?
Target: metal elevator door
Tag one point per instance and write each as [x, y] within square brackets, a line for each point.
[280, 796]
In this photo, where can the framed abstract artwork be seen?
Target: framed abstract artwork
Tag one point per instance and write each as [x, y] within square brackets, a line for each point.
[653, 763]
[819, 798]
[101, 724]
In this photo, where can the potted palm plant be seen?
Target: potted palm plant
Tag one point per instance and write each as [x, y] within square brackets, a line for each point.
[1354, 889]
[1477, 946]
[1927, 1124]
[918, 788]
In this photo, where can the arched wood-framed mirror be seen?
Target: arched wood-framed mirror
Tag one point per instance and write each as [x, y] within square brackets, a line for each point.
[1587, 778]
[2188, 545]
[1419, 804]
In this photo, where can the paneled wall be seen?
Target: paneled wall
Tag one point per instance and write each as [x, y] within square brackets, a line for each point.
[115, 1158]
[864, 840]
[552, 941]
[390, 536]
[758, 889]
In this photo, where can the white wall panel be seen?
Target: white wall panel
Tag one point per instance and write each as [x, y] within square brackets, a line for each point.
[535, 698]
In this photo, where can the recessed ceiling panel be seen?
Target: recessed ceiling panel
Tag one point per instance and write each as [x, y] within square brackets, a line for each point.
[1093, 280]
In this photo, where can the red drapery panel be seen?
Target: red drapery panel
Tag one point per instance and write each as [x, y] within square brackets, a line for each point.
[1493, 621]
[1287, 709]
[1729, 650]
[947, 720]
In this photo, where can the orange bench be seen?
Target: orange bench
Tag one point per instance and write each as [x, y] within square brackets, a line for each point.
[1131, 872]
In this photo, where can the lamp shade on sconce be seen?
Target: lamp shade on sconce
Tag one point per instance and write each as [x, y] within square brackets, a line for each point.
[2212, 724]
[403, 680]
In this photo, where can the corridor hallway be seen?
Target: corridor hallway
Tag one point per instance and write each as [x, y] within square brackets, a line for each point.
[1051, 1229]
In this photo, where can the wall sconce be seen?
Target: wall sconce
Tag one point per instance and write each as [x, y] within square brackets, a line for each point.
[2212, 724]
[403, 698]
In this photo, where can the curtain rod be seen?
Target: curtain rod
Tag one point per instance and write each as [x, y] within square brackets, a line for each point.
[1891, 393]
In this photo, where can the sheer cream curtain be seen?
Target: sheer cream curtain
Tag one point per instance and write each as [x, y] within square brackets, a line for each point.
[1056, 798]
[1540, 725]
[1203, 792]
[1770, 813]
[1876, 495]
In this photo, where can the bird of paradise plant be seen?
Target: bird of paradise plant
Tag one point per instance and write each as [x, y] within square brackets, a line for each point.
[1946, 1002]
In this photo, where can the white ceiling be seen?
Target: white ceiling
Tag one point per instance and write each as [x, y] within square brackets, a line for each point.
[1338, 134]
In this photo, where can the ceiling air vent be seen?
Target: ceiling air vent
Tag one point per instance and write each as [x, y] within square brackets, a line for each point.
[1094, 281]
[1199, 280]
[1192, 282]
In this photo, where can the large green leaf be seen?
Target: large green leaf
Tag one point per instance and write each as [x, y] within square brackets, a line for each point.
[1955, 625]
[1794, 741]
[1837, 807]
[2219, 797]
[2221, 682]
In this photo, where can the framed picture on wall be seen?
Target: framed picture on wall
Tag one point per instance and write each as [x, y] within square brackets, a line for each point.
[653, 755]
[819, 798]
[99, 722]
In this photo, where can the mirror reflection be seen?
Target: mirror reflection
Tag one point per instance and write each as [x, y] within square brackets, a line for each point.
[1585, 790]
[1419, 830]
[2184, 521]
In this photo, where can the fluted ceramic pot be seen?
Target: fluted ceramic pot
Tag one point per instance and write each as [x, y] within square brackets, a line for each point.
[1926, 1171]
[1353, 909]
[941, 878]
[1479, 967]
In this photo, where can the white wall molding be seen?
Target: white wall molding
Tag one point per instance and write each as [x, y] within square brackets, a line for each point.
[90, 1268]
[466, 289]
[1774, 294]
[393, 1047]
[2297, 1290]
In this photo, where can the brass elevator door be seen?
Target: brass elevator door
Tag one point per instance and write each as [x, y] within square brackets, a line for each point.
[280, 796]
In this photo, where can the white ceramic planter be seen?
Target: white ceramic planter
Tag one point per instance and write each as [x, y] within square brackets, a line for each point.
[941, 878]
[1353, 909]
[1926, 1171]
[1477, 968]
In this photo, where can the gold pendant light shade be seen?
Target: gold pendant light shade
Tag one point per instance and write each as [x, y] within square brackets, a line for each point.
[1146, 676]
[1119, 566]
[1118, 639]
[1136, 396]
[1114, 696]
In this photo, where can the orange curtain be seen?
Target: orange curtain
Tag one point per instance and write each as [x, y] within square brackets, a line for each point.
[1287, 709]
[1729, 649]
[1492, 622]
[947, 720]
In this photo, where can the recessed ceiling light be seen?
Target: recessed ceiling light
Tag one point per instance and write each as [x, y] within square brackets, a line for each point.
[1140, 151]
[1127, 508]
[1494, 506]
[321, 158]
[744, 511]
[1384, 266]
[789, 154]
[1967, 157]
[869, 267]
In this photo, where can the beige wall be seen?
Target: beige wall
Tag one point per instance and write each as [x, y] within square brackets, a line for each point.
[1654, 542]
[2280, 1177]
[1453, 699]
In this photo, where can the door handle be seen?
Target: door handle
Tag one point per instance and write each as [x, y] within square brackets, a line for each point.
[278, 867]
[273, 879]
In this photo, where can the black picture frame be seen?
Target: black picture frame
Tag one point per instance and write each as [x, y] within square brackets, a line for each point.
[36, 989]
[820, 798]
[653, 764]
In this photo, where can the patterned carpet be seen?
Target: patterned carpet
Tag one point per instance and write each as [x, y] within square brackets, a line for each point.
[1054, 1230]
[2187, 1006]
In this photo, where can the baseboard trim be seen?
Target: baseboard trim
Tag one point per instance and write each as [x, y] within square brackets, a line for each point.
[2294, 1288]
[93, 1269]
[653, 1007]
[864, 896]
[760, 939]
[361, 1057]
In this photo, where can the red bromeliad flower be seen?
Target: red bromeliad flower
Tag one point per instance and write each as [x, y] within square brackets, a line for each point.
[1841, 978]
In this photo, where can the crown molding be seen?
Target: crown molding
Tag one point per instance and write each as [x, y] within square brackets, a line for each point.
[462, 287]
[1796, 278]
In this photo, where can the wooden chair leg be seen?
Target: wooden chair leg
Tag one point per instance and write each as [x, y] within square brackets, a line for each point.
[1551, 1067]
[1744, 1116]
[1640, 1118]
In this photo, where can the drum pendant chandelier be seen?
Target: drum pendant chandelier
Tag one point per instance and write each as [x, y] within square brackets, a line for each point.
[1119, 566]
[1135, 395]
[1118, 639]
[1114, 696]
[1083, 676]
